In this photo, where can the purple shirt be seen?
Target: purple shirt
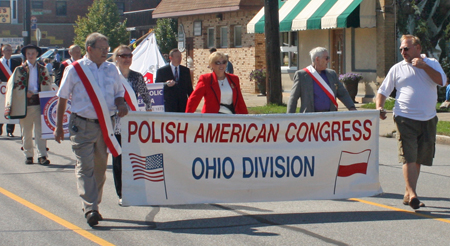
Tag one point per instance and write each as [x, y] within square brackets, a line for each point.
[321, 100]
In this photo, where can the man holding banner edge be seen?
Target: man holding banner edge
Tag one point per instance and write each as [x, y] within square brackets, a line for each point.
[97, 95]
[318, 87]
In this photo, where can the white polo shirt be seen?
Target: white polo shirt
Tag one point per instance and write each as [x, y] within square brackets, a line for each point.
[106, 77]
[416, 93]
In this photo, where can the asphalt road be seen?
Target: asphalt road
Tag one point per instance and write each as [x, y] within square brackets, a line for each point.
[39, 206]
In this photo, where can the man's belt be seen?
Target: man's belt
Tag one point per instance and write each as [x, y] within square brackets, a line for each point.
[33, 100]
[89, 120]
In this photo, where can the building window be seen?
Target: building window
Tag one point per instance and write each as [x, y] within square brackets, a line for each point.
[61, 8]
[120, 7]
[197, 28]
[238, 36]
[4, 3]
[37, 4]
[211, 38]
[224, 37]
[289, 43]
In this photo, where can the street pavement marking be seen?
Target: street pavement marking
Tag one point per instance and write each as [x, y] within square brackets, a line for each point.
[55, 218]
[401, 210]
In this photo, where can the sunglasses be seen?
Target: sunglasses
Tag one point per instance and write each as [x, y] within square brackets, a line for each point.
[404, 49]
[220, 62]
[126, 55]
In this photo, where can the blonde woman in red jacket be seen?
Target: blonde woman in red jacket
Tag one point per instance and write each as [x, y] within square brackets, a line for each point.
[221, 91]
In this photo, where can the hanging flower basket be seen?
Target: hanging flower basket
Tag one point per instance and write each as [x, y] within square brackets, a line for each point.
[259, 76]
[351, 80]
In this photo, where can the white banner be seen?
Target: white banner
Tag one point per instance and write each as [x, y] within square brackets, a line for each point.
[214, 158]
[49, 106]
[3, 120]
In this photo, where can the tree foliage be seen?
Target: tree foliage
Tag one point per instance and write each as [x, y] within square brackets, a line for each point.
[166, 34]
[103, 17]
[427, 19]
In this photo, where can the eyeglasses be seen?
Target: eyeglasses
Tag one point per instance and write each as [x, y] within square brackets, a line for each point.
[404, 49]
[125, 55]
[221, 62]
[106, 49]
[327, 58]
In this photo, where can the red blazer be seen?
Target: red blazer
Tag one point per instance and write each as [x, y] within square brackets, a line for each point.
[208, 88]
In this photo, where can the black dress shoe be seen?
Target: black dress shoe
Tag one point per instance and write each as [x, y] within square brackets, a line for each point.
[10, 135]
[92, 217]
[43, 161]
[29, 160]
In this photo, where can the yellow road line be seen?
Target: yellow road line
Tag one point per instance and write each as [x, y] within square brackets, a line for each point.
[55, 218]
[401, 210]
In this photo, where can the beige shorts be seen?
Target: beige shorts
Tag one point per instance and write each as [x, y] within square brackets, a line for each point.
[416, 140]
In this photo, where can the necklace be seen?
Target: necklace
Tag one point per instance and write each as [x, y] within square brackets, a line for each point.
[222, 80]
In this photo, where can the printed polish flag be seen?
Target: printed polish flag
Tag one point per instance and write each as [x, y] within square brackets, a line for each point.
[352, 163]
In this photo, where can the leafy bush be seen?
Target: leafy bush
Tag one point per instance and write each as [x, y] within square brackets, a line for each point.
[350, 78]
[258, 75]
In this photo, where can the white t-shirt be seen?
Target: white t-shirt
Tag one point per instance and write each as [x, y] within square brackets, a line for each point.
[106, 77]
[416, 93]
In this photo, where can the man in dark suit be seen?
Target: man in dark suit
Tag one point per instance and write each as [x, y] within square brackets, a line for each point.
[7, 66]
[178, 81]
[75, 54]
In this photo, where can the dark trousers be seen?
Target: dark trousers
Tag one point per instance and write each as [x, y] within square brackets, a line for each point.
[9, 128]
[117, 170]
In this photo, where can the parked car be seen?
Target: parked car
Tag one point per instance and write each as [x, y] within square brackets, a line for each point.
[63, 54]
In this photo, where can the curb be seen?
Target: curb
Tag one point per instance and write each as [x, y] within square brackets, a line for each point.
[440, 139]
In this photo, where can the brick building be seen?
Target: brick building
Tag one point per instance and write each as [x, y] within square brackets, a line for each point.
[205, 24]
[363, 41]
[56, 19]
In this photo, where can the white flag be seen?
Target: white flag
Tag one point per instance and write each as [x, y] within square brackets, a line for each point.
[147, 58]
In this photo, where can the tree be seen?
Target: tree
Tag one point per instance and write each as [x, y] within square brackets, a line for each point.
[166, 34]
[103, 17]
[427, 19]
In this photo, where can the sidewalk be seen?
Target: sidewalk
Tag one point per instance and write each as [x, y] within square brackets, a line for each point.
[387, 126]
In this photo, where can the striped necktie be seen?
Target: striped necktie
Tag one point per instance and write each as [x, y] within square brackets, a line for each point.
[176, 74]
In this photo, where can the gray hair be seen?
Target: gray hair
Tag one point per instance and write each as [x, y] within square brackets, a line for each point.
[92, 39]
[73, 46]
[316, 52]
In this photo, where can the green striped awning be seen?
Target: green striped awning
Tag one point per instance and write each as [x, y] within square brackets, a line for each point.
[297, 15]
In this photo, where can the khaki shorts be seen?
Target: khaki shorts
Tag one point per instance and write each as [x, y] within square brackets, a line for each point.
[416, 140]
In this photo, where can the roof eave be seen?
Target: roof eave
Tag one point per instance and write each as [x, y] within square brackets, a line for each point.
[195, 12]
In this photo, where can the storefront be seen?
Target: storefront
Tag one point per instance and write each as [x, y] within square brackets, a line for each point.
[351, 30]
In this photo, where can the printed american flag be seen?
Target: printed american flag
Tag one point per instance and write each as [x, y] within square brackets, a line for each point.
[149, 167]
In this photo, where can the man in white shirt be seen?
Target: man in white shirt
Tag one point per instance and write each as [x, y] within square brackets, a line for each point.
[86, 131]
[416, 79]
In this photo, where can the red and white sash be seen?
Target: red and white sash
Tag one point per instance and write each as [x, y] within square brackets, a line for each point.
[130, 96]
[5, 69]
[67, 62]
[319, 80]
[99, 103]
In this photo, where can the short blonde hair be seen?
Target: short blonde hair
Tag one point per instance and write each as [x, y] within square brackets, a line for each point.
[415, 39]
[215, 56]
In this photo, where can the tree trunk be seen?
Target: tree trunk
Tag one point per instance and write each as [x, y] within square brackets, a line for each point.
[272, 31]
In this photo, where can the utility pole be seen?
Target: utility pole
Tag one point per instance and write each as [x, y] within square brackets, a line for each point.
[273, 62]
[27, 21]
